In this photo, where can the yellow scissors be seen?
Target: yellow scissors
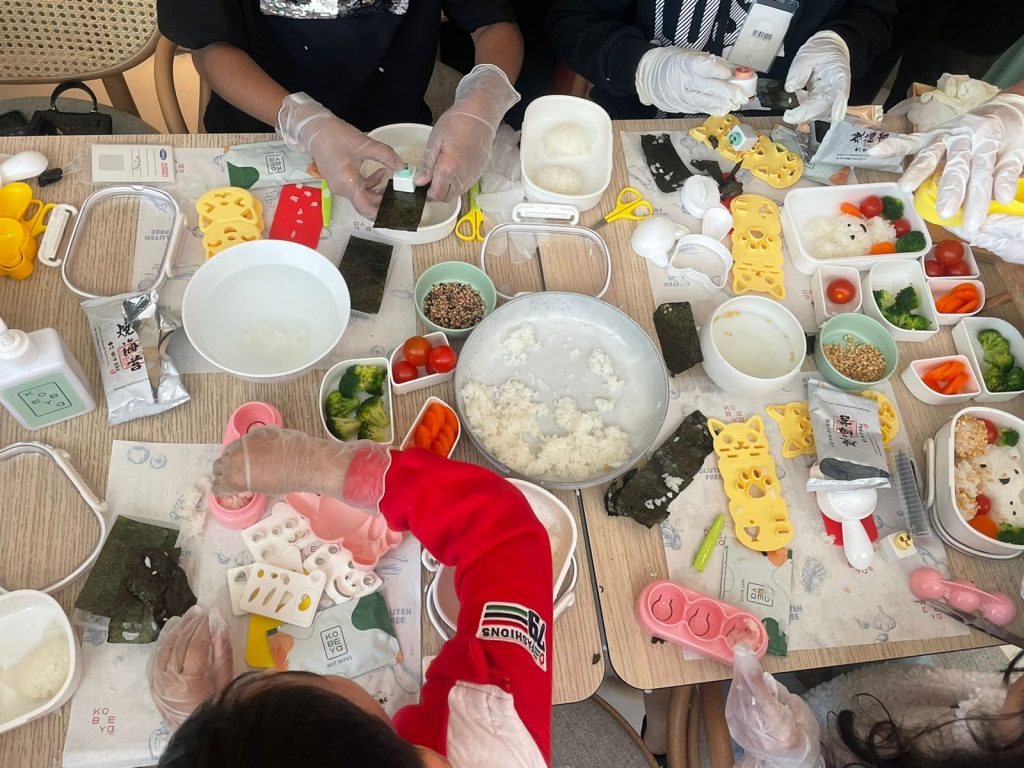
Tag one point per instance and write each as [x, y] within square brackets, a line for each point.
[629, 204]
[470, 226]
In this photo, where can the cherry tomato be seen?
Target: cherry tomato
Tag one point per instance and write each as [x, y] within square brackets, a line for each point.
[415, 350]
[902, 226]
[932, 268]
[949, 252]
[957, 269]
[984, 504]
[442, 359]
[404, 371]
[993, 431]
[841, 291]
[871, 206]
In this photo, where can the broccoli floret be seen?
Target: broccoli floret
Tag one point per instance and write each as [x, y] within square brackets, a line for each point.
[368, 431]
[892, 208]
[1010, 534]
[343, 428]
[906, 300]
[913, 322]
[1001, 360]
[912, 241]
[362, 378]
[883, 299]
[992, 341]
[1009, 437]
[337, 405]
[995, 380]
[1014, 380]
[372, 412]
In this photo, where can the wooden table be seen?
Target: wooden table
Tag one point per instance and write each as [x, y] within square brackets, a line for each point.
[627, 556]
[45, 537]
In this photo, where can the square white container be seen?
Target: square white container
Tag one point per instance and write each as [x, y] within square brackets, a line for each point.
[825, 309]
[968, 257]
[407, 440]
[333, 376]
[912, 377]
[893, 276]
[965, 338]
[596, 169]
[940, 286]
[808, 203]
[436, 339]
[25, 618]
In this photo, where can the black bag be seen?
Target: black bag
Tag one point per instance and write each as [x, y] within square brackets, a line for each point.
[54, 122]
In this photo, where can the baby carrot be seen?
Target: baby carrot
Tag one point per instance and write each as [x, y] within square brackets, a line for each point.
[943, 371]
[879, 249]
[851, 210]
[955, 384]
[970, 306]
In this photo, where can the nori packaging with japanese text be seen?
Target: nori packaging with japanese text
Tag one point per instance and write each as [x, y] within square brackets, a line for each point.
[847, 440]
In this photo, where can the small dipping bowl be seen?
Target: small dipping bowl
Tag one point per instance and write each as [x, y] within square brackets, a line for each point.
[859, 328]
[454, 272]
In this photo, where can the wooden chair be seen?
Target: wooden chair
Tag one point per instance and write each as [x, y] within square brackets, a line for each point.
[167, 93]
[692, 708]
[47, 42]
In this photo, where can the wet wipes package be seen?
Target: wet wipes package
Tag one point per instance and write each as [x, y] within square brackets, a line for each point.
[847, 440]
[351, 639]
[268, 164]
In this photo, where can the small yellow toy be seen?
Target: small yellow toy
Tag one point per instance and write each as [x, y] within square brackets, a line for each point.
[767, 160]
[759, 513]
[926, 195]
[757, 247]
[228, 216]
[795, 426]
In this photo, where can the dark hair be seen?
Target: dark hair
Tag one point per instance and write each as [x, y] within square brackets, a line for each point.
[886, 745]
[278, 720]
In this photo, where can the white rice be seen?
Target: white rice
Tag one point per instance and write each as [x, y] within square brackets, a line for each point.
[601, 365]
[43, 670]
[559, 180]
[567, 140]
[834, 237]
[519, 344]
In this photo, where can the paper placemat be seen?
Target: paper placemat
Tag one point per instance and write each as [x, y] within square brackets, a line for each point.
[113, 721]
[199, 170]
[832, 604]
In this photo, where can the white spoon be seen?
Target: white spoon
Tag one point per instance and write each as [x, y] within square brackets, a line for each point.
[849, 508]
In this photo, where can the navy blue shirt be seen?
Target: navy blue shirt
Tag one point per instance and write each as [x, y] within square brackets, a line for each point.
[368, 61]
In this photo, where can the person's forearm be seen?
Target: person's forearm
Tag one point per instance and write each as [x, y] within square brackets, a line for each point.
[500, 44]
[240, 81]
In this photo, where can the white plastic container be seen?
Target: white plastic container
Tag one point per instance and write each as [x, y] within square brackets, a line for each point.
[26, 618]
[913, 373]
[940, 286]
[424, 380]
[41, 382]
[808, 203]
[972, 262]
[333, 377]
[595, 169]
[948, 516]
[893, 276]
[407, 440]
[825, 308]
[965, 339]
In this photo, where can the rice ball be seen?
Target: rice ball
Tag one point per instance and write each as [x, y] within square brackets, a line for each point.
[567, 140]
[835, 237]
[560, 180]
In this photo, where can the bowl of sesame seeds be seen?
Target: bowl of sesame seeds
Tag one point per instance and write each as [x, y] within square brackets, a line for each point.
[855, 352]
[453, 297]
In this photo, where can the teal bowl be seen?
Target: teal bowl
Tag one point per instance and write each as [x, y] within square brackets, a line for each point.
[860, 328]
[454, 272]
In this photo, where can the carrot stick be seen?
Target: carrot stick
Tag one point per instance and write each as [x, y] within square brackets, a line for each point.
[970, 306]
[956, 384]
[851, 210]
[882, 248]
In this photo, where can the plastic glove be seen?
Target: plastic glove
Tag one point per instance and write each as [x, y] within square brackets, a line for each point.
[459, 147]
[675, 80]
[192, 663]
[984, 153]
[1000, 233]
[820, 77]
[339, 149]
[774, 727]
[278, 461]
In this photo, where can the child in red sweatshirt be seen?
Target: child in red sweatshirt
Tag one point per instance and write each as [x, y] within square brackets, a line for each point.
[487, 696]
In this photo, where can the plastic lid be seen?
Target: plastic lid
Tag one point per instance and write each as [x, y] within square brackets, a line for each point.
[743, 73]
[16, 348]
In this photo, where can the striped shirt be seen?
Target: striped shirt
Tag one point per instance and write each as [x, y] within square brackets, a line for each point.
[697, 26]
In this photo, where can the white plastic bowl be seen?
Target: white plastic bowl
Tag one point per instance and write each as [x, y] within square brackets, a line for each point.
[893, 276]
[752, 345]
[972, 262]
[409, 140]
[913, 373]
[949, 517]
[825, 308]
[424, 380]
[266, 310]
[26, 616]
[596, 169]
[330, 381]
[408, 439]
[806, 204]
[940, 286]
[965, 339]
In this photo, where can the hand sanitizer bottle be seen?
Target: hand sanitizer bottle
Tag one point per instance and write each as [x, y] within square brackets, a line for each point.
[41, 383]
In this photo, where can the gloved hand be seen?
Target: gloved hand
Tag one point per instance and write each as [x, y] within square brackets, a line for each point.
[192, 663]
[278, 461]
[820, 77]
[675, 80]
[339, 150]
[459, 147]
[1000, 233]
[984, 152]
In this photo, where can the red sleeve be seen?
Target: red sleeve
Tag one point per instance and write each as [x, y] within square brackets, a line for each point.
[470, 518]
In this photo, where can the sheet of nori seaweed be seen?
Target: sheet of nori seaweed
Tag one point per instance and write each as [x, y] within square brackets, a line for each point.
[401, 210]
[666, 167]
[158, 590]
[677, 334]
[773, 95]
[365, 266]
[646, 493]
